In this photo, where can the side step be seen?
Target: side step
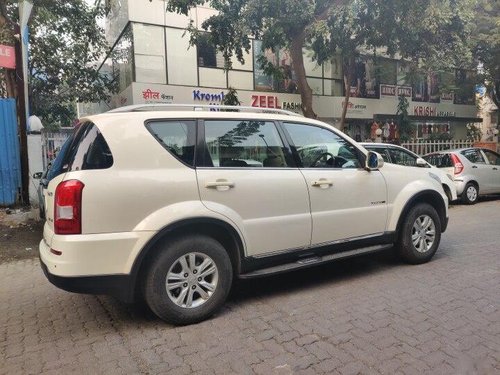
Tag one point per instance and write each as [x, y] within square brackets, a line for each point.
[313, 261]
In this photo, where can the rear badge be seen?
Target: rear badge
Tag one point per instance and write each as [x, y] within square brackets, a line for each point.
[378, 202]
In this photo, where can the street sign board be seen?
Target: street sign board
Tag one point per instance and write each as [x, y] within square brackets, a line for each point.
[7, 57]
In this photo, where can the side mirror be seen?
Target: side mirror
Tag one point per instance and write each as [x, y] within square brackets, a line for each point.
[421, 162]
[37, 175]
[374, 161]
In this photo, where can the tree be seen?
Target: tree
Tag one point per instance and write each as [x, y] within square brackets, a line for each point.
[66, 44]
[486, 45]
[278, 24]
[432, 36]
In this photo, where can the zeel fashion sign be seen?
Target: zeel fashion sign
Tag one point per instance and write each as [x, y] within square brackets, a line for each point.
[7, 57]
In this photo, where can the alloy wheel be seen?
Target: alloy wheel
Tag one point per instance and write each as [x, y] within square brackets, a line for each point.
[423, 233]
[192, 280]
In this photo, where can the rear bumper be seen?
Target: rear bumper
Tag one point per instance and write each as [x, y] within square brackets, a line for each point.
[119, 286]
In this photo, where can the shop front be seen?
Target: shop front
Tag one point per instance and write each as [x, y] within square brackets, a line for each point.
[364, 116]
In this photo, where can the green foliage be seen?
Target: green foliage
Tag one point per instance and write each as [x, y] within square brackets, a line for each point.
[474, 133]
[486, 44]
[405, 129]
[231, 98]
[65, 47]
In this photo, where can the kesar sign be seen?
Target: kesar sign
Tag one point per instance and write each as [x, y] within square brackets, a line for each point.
[7, 57]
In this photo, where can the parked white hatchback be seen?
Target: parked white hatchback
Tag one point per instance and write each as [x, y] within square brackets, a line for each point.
[475, 171]
[172, 205]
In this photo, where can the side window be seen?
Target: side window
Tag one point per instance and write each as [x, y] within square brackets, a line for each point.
[401, 157]
[177, 136]
[439, 160]
[321, 148]
[474, 156]
[493, 157]
[382, 151]
[243, 144]
[88, 150]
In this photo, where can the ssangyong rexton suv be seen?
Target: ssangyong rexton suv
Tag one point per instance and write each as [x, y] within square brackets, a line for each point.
[172, 205]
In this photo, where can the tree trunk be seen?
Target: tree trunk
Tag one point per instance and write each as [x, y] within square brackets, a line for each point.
[347, 87]
[300, 72]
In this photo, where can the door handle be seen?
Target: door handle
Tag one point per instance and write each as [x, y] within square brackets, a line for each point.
[495, 168]
[474, 166]
[322, 183]
[221, 185]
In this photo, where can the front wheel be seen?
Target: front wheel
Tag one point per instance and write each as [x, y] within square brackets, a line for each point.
[188, 280]
[470, 194]
[420, 234]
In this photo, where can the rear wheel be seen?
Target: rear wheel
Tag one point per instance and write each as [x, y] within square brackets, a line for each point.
[188, 280]
[470, 193]
[420, 234]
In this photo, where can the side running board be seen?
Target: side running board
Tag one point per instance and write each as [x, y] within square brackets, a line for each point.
[313, 261]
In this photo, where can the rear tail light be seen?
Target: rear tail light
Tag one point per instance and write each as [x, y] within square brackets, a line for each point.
[68, 207]
[459, 167]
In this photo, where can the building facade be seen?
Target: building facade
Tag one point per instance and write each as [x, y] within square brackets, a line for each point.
[153, 62]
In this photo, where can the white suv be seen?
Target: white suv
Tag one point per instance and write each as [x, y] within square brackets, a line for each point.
[172, 205]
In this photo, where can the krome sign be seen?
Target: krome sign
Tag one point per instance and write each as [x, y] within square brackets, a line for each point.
[7, 57]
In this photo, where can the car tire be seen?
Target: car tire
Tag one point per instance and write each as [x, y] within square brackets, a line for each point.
[470, 194]
[188, 280]
[420, 234]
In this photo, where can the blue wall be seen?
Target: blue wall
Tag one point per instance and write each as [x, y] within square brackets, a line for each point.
[10, 159]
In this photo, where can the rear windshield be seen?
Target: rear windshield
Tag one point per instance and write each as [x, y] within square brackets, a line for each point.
[88, 150]
[439, 160]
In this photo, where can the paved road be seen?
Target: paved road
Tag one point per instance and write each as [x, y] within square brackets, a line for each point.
[366, 315]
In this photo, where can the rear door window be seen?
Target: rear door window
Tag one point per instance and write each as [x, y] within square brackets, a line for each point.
[493, 157]
[88, 150]
[474, 156]
[401, 157]
[244, 144]
[177, 136]
[439, 160]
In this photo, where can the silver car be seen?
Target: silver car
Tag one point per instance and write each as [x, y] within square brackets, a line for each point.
[476, 171]
[401, 156]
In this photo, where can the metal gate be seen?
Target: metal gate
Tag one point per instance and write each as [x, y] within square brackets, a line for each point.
[52, 143]
[10, 157]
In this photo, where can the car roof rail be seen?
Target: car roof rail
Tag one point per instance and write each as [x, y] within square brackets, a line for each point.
[199, 107]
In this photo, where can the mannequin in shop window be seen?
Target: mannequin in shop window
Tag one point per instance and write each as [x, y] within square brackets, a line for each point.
[373, 131]
[392, 130]
[385, 131]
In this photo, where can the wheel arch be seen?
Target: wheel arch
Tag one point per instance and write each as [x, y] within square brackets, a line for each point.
[427, 196]
[217, 229]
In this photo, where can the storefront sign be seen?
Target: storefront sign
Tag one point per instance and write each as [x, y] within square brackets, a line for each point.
[151, 96]
[446, 113]
[7, 57]
[270, 101]
[424, 110]
[447, 97]
[207, 96]
[354, 108]
[393, 91]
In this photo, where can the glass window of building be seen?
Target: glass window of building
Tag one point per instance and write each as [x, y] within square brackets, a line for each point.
[333, 68]
[122, 57]
[208, 56]
[181, 59]
[210, 77]
[240, 80]
[333, 87]
[312, 68]
[316, 85]
[149, 48]
[285, 81]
